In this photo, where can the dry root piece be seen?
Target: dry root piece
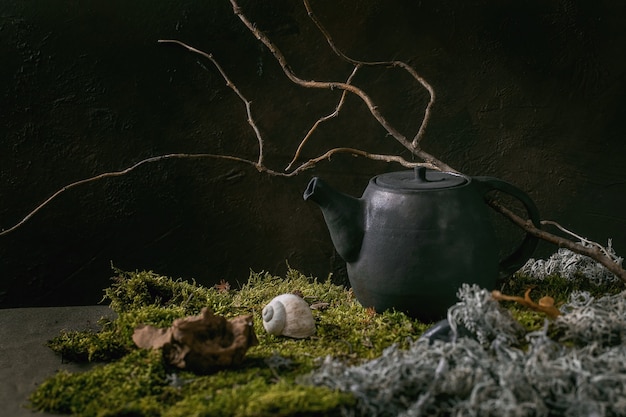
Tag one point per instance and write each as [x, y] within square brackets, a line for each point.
[200, 343]
[544, 305]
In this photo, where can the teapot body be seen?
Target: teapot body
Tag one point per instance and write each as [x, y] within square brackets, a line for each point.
[418, 247]
[413, 238]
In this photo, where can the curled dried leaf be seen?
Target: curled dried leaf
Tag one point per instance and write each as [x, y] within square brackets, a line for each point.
[201, 343]
[149, 337]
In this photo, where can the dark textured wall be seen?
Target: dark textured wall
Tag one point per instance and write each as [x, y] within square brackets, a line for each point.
[532, 92]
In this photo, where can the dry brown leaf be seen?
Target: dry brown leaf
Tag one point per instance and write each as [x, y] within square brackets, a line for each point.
[200, 343]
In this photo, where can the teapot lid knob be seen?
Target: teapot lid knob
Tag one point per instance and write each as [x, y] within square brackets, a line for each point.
[420, 173]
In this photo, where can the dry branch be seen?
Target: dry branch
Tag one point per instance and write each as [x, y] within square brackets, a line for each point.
[117, 174]
[323, 119]
[591, 251]
[431, 91]
[429, 160]
[544, 305]
[233, 87]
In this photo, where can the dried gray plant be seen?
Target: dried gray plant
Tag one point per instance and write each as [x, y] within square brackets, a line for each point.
[579, 372]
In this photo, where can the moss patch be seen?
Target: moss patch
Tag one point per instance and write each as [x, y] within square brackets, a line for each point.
[136, 382]
[133, 382]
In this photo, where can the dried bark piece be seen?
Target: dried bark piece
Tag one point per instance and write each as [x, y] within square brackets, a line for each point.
[200, 343]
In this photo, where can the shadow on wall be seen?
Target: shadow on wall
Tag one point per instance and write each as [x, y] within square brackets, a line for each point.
[529, 93]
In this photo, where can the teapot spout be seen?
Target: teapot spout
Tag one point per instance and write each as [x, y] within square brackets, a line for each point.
[343, 215]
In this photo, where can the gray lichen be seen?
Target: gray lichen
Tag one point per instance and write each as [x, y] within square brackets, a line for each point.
[587, 320]
[575, 366]
[569, 264]
[483, 317]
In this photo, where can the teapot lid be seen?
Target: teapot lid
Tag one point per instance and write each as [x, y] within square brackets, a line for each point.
[420, 178]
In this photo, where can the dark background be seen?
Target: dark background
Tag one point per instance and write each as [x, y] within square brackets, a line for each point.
[531, 92]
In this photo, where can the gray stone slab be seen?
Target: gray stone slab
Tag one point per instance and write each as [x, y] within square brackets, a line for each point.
[25, 361]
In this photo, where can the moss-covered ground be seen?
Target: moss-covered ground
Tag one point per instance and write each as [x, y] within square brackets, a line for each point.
[131, 382]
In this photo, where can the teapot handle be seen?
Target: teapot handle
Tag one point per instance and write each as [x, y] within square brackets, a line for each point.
[524, 251]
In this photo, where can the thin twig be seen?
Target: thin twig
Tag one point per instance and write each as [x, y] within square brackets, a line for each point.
[261, 168]
[323, 119]
[582, 239]
[313, 161]
[232, 86]
[282, 61]
[357, 152]
[118, 174]
[431, 91]
[590, 251]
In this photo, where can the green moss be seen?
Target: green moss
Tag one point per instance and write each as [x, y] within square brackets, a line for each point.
[137, 383]
[258, 397]
[88, 346]
[132, 291]
[114, 340]
[117, 386]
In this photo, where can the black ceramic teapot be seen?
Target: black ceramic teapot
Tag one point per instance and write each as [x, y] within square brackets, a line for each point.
[415, 236]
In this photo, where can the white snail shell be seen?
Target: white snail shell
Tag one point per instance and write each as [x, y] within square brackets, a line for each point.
[288, 315]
